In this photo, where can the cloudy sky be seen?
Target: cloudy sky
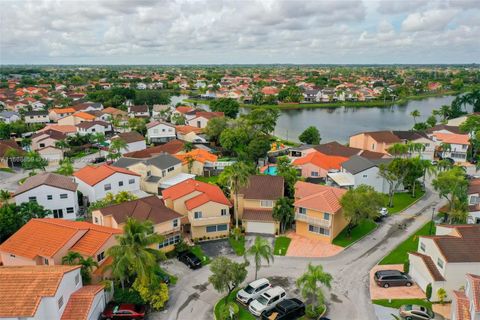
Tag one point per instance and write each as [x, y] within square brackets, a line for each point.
[239, 31]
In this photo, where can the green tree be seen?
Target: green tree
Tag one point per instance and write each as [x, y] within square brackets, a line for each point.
[442, 295]
[451, 185]
[359, 204]
[263, 119]
[289, 173]
[155, 291]
[260, 250]
[227, 274]
[215, 127]
[188, 146]
[5, 195]
[87, 265]
[257, 148]
[111, 199]
[290, 94]
[415, 114]
[178, 119]
[311, 135]
[310, 286]
[33, 161]
[13, 217]
[283, 213]
[431, 121]
[394, 173]
[398, 150]
[229, 107]
[116, 147]
[100, 139]
[66, 167]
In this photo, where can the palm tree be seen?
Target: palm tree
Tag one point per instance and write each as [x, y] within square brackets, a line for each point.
[117, 145]
[5, 195]
[61, 144]
[12, 154]
[235, 177]
[415, 114]
[133, 254]
[260, 250]
[398, 150]
[188, 146]
[66, 167]
[99, 138]
[75, 258]
[310, 285]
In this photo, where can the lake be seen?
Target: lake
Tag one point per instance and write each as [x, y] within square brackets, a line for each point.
[338, 124]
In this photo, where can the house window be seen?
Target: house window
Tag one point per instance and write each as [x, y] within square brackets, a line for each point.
[60, 302]
[364, 176]
[170, 169]
[169, 241]
[163, 130]
[222, 227]
[211, 229]
[155, 130]
[302, 210]
[63, 196]
[326, 216]
[49, 197]
[70, 210]
[12, 256]
[149, 173]
[175, 223]
[57, 213]
[45, 261]
[96, 220]
[163, 173]
[320, 230]
[120, 183]
[131, 181]
[440, 263]
[422, 246]
[474, 199]
[314, 173]
[77, 279]
[266, 203]
[198, 214]
[217, 228]
[223, 212]
[464, 147]
[42, 145]
[101, 256]
[32, 199]
[107, 187]
[373, 146]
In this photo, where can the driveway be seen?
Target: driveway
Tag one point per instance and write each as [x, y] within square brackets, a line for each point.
[301, 246]
[216, 248]
[376, 292]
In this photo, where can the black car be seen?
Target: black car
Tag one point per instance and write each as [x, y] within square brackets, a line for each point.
[190, 260]
[392, 278]
[288, 309]
[99, 160]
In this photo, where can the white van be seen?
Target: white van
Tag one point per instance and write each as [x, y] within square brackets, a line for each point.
[253, 290]
[267, 301]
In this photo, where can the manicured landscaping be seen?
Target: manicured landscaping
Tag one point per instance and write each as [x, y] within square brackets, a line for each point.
[281, 245]
[196, 250]
[243, 314]
[397, 303]
[212, 180]
[358, 232]
[9, 170]
[400, 254]
[403, 200]
[237, 245]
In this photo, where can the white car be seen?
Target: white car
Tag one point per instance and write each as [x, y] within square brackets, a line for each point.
[253, 290]
[383, 212]
[267, 301]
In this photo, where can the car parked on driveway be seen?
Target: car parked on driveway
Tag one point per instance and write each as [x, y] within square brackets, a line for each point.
[288, 309]
[267, 301]
[253, 290]
[392, 278]
[190, 260]
[123, 311]
[415, 312]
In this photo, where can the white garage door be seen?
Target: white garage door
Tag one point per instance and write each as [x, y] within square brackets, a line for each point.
[418, 278]
[260, 227]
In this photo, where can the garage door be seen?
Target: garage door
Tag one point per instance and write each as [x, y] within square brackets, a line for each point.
[418, 278]
[260, 227]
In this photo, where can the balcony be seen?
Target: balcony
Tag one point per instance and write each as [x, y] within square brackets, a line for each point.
[312, 220]
[208, 220]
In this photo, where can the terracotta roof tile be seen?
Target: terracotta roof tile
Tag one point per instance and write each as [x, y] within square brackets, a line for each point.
[80, 303]
[320, 160]
[92, 175]
[48, 179]
[436, 275]
[318, 197]
[62, 110]
[462, 311]
[263, 188]
[84, 115]
[199, 155]
[475, 283]
[187, 129]
[171, 147]
[452, 138]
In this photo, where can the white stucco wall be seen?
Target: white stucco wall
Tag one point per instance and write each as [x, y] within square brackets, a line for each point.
[97, 192]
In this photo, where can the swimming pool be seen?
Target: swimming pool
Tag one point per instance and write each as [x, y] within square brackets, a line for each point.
[271, 170]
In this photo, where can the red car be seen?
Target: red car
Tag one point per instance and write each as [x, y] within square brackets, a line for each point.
[123, 311]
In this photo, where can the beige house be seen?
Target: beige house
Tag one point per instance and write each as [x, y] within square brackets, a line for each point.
[76, 119]
[204, 207]
[46, 138]
[165, 221]
[256, 202]
[377, 141]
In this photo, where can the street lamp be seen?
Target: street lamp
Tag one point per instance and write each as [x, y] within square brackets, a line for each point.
[431, 223]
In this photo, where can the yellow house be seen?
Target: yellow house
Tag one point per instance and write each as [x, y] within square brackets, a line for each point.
[318, 213]
[194, 161]
[256, 202]
[204, 206]
[165, 221]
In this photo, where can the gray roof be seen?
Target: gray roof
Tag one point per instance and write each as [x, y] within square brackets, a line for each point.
[161, 161]
[125, 162]
[358, 164]
[49, 179]
[8, 114]
[153, 179]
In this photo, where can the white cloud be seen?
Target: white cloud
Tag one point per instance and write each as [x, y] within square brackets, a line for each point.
[431, 20]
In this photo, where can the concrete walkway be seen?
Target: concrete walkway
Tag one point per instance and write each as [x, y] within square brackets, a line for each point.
[301, 246]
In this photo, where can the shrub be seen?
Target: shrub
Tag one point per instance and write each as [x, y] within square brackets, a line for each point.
[225, 310]
[127, 295]
[314, 313]
[441, 294]
[406, 266]
[428, 291]
[181, 246]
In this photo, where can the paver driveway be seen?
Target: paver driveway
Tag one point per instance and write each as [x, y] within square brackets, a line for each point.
[301, 246]
[376, 292]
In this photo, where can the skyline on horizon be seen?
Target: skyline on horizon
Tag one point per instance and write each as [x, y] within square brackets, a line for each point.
[222, 32]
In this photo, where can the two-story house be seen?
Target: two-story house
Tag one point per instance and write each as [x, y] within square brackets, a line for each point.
[94, 182]
[444, 259]
[56, 114]
[53, 191]
[134, 140]
[9, 116]
[204, 204]
[76, 118]
[48, 292]
[165, 221]
[256, 202]
[92, 127]
[466, 303]
[318, 213]
[190, 134]
[201, 118]
[452, 146]
[376, 141]
[139, 112]
[316, 165]
[196, 161]
[46, 138]
[160, 132]
[473, 193]
[36, 117]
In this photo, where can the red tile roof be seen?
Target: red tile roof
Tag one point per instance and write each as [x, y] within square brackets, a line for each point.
[92, 175]
[184, 109]
[199, 155]
[80, 303]
[171, 147]
[320, 160]
[318, 197]
[452, 138]
[462, 311]
[475, 283]
[187, 129]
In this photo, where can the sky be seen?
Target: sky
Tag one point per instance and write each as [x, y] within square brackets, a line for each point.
[239, 31]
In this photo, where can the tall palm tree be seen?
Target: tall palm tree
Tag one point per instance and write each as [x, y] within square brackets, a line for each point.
[75, 258]
[260, 250]
[310, 284]
[235, 177]
[133, 255]
[66, 167]
[99, 138]
[415, 114]
[117, 145]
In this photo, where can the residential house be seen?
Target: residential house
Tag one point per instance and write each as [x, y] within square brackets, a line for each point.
[52, 191]
[201, 118]
[160, 132]
[36, 117]
[7, 149]
[443, 128]
[181, 111]
[451, 146]
[312, 95]
[66, 129]
[52, 154]
[316, 165]
[113, 113]
[9, 116]
[417, 137]
[76, 118]
[48, 138]
[203, 204]
[444, 259]
[377, 141]
[466, 302]
[165, 221]
[159, 111]
[318, 212]
[56, 114]
[196, 161]
[473, 193]
[138, 112]
[256, 202]
[94, 182]
[158, 172]
[134, 140]
[190, 134]
[48, 292]
[172, 147]
[92, 127]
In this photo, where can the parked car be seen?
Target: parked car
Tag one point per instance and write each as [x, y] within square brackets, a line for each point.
[267, 301]
[190, 260]
[382, 213]
[253, 290]
[415, 312]
[392, 278]
[123, 311]
[99, 160]
[288, 309]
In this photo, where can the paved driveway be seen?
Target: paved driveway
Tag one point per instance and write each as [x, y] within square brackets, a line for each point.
[216, 248]
[301, 246]
[377, 292]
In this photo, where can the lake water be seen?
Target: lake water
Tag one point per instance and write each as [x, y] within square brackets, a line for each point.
[338, 124]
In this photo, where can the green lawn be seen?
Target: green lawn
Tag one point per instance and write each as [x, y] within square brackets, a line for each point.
[243, 314]
[281, 245]
[403, 200]
[357, 233]
[400, 254]
[237, 245]
[196, 250]
[9, 170]
[212, 180]
[397, 303]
